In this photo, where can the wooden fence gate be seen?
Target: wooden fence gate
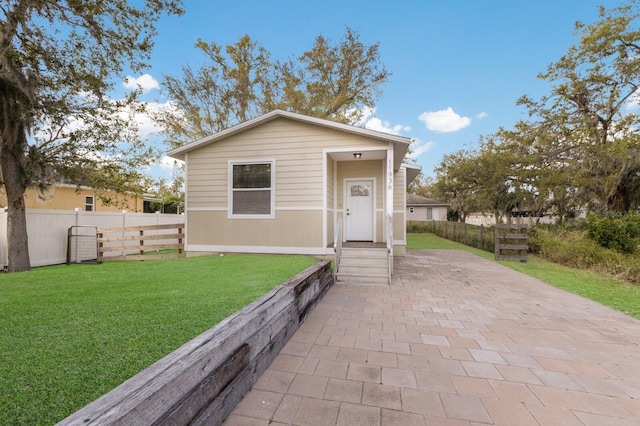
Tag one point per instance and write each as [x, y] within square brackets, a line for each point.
[512, 242]
[136, 242]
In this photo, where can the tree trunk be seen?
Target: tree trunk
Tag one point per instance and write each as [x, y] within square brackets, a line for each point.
[17, 239]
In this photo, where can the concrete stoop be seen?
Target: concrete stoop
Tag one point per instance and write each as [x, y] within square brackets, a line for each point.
[363, 266]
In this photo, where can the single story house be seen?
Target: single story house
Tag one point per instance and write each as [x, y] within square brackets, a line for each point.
[293, 184]
[65, 196]
[421, 208]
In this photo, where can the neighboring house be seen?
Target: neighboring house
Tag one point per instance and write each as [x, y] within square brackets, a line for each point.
[422, 208]
[283, 182]
[71, 197]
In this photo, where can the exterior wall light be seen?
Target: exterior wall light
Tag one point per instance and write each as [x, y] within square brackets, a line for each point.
[357, 155]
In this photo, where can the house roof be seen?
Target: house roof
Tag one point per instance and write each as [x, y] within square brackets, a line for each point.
[400, 143]
[413, 170]
[414, 200]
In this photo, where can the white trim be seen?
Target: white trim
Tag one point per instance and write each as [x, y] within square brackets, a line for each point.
[404, 203]
[325, 201]
[186, 199]
[259, 249]
[399, 242]
[207, 209]
[294, 208]
[70, 185]
[272, 189]
[385, 196]
[224, 209]
[355, 149]
[337, 211]
[415, 170]
[389, 186]
[92, 204]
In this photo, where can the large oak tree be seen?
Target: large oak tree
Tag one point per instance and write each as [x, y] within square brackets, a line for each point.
[335, 81]
[580, 147]
[594, 101]
[58, 60]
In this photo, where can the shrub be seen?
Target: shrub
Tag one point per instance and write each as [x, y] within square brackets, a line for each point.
[535, 240]
[574, 249]
[619, 233]
[419, 227]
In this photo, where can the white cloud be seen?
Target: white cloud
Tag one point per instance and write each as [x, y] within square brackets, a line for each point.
[366, 114]
[146, 125]
[482, 115]
[139, 113]
[145, 82]
[418, 148]
[168, 163]
[369, 121]
[444, 120]
[374, 123]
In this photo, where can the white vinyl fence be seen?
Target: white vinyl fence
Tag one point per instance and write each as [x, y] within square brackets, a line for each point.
[490, 220]
[48, 229]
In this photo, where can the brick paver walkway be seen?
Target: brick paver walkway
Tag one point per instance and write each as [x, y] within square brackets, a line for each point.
[456, 340]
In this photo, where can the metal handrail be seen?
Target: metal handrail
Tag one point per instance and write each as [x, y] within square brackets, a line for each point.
[337, 243]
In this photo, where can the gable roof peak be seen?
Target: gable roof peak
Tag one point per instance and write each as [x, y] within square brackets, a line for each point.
[401, 143]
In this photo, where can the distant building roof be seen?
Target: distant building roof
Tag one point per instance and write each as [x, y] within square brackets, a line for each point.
[414, 200]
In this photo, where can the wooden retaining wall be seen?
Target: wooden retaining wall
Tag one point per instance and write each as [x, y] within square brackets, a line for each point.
[202, 381]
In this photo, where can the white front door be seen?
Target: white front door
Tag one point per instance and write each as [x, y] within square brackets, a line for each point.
[359, 211]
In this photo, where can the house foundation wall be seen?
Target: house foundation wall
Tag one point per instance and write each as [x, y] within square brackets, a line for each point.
[290, 228]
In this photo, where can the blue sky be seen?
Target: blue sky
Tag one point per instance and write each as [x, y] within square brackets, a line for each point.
[458, 66]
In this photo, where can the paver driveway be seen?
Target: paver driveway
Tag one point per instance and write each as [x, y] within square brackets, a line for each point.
[455, 340]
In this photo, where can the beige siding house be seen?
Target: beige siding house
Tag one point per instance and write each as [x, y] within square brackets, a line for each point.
[289, 183]
[70, 197]
[422, 208]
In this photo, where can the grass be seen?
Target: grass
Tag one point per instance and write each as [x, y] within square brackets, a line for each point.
[600, 288]
[69, 334]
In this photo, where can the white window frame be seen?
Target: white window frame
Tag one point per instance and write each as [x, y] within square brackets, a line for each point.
[92, 204]
[272, 214]
[429, 213]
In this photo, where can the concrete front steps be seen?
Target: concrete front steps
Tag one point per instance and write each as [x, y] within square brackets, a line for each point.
[363, 266]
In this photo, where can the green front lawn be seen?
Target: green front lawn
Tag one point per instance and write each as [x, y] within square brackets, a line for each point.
[598, 287]
[69, 334]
